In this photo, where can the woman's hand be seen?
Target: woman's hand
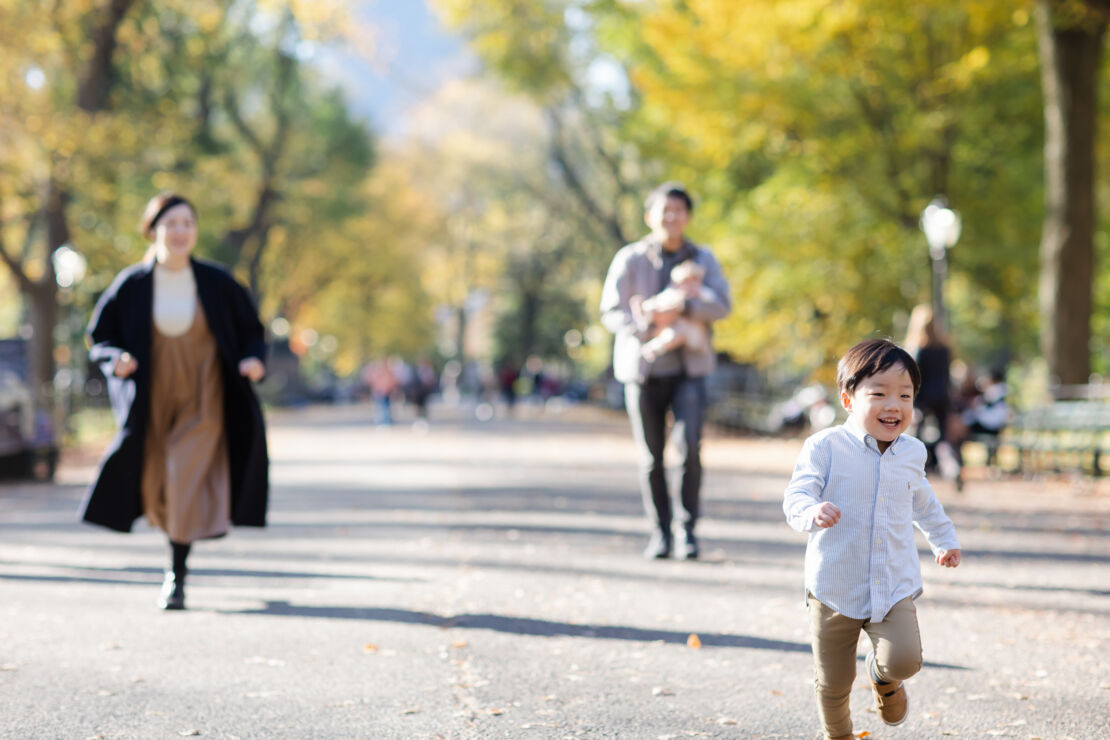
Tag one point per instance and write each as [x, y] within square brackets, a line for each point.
[125, 365]
[252, 369]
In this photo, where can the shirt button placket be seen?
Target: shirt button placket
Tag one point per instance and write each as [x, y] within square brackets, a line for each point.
[878, 558]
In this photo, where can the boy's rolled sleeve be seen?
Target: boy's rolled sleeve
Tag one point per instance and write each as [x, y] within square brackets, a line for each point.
[804, 490]
[929, 516]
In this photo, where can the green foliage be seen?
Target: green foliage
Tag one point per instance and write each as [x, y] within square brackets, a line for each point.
[813, 135]
[209, 98]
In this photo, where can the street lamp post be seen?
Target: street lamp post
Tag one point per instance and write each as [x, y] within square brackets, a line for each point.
[942, 229]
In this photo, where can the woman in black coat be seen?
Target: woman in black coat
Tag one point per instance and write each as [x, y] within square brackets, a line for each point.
[929, 348]
[180, 343]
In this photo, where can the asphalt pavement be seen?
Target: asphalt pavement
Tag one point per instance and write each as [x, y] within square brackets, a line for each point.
[471, 579]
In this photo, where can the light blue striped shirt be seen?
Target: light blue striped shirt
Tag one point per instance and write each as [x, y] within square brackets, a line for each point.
[866, 562]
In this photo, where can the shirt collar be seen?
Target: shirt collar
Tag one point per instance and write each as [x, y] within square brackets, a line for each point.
[686, 251]
[855, 428]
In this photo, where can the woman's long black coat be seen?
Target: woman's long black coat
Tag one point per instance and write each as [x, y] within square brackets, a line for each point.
[122, 322]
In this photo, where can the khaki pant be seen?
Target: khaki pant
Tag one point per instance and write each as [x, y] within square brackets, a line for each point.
[897, 644]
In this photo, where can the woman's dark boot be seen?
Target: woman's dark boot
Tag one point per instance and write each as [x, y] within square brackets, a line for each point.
[173, 591]
[173, 587]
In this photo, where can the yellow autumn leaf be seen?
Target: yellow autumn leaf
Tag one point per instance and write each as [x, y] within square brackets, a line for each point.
[693, 641]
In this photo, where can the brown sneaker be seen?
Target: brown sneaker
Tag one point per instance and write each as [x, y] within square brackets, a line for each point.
[890, 698]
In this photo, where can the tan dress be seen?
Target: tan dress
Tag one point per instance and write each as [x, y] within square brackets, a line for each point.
[186, 472]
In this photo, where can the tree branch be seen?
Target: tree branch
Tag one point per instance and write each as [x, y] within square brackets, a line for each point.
[241, 126]
[614, 166]
[560, 157]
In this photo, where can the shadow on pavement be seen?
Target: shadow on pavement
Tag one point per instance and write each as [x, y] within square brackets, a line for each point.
[520, 626]
[147, 576]
[535, 627]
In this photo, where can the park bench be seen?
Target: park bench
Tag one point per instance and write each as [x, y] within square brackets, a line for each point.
[748, 412]
[1070, 434]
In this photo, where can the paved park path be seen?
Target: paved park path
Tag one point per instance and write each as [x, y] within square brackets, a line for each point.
[483, 580]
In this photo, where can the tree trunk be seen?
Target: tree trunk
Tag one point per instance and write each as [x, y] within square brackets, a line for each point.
[529, 314]
[42, 298]
[42, 313]
[1070, 59]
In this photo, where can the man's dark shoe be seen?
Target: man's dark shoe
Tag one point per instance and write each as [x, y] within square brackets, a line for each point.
[688, 549]
[659, 547]
[173, 592]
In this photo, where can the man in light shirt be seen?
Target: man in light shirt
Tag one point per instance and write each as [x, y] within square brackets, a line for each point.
[858, 490]
[672, 381]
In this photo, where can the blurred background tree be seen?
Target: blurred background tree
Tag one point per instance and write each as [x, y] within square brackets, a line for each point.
[111, 102]
[815, 134]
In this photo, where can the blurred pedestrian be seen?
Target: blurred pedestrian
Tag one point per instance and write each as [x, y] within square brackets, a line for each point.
[858, 490]
[674, 380]
[507, 375]
[180, 343]
[379, 376]
[929, 348]
[989, 412]
[422, 384]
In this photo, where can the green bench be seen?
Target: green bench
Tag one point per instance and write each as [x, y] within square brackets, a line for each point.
[1070, 435]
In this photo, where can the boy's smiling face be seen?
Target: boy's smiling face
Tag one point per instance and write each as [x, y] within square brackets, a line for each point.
[882, 404]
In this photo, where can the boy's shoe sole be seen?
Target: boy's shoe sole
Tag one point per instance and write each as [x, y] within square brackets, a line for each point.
[891, 700]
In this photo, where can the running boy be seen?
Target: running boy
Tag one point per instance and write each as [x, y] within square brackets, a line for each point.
[858, 490]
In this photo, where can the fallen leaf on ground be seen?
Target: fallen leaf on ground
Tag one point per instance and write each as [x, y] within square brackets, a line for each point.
[727, 721]
[188, 733]
[776, 692]
[865, 733]
[459, 645]
[410, 711]
[495, 712]
[370, 647]
[693, 641]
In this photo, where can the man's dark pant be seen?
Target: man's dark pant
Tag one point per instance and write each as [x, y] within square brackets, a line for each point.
[647, 405]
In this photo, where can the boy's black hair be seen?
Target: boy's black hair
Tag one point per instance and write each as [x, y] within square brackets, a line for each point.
[871, 357]
[669, 189]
